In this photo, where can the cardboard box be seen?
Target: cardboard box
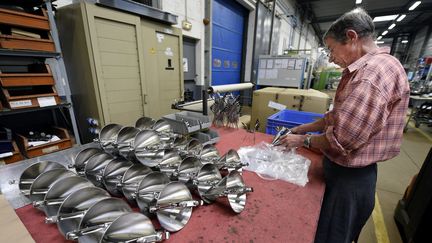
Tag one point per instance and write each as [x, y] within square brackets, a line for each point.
[294, 99]
[305, 100]
[260, 109]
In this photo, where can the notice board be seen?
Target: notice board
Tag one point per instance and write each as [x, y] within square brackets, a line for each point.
[281, 71]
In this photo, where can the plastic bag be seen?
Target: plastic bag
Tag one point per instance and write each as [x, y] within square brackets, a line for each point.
[272, 163]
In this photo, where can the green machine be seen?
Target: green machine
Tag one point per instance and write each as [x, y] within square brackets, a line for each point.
[328, 78]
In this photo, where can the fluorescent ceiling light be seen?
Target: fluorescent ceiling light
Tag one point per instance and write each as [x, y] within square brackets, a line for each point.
[379, 42]
[379, 38]
[358, 1]
[384, 18]
[392, 26]
[401, 18]
[384, 33]
[414, 5]
[404, 41]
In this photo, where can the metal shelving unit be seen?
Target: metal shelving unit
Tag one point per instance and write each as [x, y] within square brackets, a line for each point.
[58, 68]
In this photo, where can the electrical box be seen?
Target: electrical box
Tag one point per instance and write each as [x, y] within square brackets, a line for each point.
[120, 66]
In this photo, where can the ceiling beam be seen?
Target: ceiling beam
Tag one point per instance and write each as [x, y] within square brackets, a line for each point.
[381, 12]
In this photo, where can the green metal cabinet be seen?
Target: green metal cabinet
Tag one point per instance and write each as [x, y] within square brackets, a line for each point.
[120, 66]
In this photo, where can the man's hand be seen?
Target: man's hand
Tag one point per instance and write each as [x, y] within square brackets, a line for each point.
[293, 140]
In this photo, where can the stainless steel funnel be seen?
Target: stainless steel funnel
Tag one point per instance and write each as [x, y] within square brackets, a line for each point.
[95, 166]
[108, 137]
[74, 207]
[145, 123]
[162, 127]
[32, 172]
[209, 154]
[58, 193]
[231, 161]
[149, 189]
[97, 219]
[113, 174]
[131, 180]
[148, 148]
[39, 188]
[82, 158]
[208, 176]
[193, 148]
[188, 169]
[174, 206]
[125, 139]
[170, 162]
[133, 227]
[231, 186]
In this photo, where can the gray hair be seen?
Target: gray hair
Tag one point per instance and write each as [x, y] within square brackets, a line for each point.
[357, 19]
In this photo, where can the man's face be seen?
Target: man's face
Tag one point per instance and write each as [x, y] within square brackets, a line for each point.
[339, 53]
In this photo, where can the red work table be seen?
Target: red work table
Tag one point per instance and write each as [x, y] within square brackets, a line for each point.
[277, 211]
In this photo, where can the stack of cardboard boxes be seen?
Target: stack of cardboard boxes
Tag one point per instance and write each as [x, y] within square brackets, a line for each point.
[294, 99]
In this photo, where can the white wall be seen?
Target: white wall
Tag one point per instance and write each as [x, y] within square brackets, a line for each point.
[195, 14]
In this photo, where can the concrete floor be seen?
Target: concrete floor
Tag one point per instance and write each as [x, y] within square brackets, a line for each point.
[393, 178]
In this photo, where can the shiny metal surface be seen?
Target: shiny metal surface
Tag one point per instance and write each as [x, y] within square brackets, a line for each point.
[113, 173]
[170, 162]
[148, 148]
[82, 158]
[45, 181]
[131, 180]
[145, 123]
[60, 190]
[125, 139]
[73, 208]
[129, 228]
[162, 126]
[230, 161]
[100, 214]
[207, 177]
[194, 147]
[174, 218]
[108, 136]
[180, 143]
[93, 170]
[30, 173]
[188, 169]
[10, 174]
[148, 190]
[234, 182]
[209, 153]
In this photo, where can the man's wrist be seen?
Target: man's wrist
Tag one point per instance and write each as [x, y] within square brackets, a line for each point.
[307, 141]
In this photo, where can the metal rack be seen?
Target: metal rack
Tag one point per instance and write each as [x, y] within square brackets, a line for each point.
[58, 68]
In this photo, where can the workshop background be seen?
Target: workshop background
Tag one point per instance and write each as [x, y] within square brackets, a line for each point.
[81, 74]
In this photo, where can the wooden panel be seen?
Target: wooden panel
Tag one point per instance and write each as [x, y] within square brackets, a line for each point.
[121, 72]
[21, 19]
[121, 46]
[13, 42]
[119, 75]
[120, 96]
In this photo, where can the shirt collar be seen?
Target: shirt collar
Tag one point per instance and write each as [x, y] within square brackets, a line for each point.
[363, 60]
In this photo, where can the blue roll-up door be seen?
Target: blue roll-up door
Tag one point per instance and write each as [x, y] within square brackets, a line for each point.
[227, 41]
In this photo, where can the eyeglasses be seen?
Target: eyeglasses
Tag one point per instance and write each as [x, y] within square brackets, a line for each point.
[328, 51]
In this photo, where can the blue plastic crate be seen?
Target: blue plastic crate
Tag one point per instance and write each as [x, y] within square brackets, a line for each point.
[289, 119]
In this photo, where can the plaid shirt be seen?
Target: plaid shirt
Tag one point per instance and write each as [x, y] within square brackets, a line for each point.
[367, 120]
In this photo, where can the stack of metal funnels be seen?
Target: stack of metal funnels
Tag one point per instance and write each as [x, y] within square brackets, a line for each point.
[82, 211]
[153, 168]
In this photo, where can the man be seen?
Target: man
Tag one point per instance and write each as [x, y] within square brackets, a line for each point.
[364, 127]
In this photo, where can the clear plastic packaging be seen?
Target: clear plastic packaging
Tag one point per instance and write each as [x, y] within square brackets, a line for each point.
[271, 163]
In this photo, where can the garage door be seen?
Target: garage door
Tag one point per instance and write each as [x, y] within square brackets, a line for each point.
[227, 41]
